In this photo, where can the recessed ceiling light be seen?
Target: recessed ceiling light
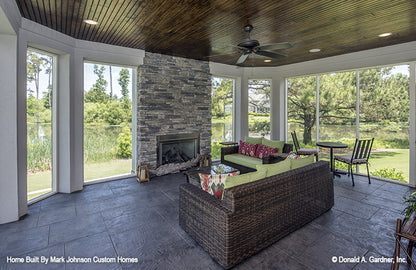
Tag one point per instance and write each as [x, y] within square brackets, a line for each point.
[91, 22]
[385, 35]
[314, 50]
[267, 60]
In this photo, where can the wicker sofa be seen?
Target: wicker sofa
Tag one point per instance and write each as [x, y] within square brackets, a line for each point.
[253, 216]
[233, 150]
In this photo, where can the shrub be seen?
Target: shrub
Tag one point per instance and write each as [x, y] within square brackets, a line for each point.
[341, 165]
[260, 125]
[392, 173]
[410, 202]
[215, 150]
[259, 114]
[124, 143]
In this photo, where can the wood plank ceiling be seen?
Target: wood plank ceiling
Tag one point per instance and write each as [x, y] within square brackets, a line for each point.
[211, 29]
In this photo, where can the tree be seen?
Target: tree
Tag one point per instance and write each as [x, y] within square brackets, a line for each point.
[259, 95]
[97, 92]
[111, 83]
[34, 64]
[301, 96]
[123, 81]
[48, 94]
[222, 93]
[381, 94]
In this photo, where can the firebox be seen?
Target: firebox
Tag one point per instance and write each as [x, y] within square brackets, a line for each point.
[177, 148]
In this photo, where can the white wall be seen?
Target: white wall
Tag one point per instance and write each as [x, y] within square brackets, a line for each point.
[8, 132]
[9, 209]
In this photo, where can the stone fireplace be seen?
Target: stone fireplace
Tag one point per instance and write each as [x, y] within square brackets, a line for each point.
[173, 97]
[177, 148]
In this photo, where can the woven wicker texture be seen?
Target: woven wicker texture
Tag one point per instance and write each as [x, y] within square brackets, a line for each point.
[255, 215]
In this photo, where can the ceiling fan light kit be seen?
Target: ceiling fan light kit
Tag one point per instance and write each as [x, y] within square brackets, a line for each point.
[249, 46]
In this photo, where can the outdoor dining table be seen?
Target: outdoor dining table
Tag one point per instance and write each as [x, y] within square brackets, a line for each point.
[331, 146]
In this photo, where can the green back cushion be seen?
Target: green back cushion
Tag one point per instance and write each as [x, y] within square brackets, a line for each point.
[274, 144]
[297, 163]
[276, 168]
[233, 181]
[253, 140]
[243, 160]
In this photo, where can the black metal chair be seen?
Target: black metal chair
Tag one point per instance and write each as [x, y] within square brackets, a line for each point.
[360, 155]
[303, 151]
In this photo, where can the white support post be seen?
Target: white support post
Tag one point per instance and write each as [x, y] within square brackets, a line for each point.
[357, 106]
[357, 112]
[412, 125]
[317, 109]
[277, 109]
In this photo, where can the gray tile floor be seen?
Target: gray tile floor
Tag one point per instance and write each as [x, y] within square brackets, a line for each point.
[126, 219]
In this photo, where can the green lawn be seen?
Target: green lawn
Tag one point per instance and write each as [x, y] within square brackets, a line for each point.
[390, 158]
[42, 181]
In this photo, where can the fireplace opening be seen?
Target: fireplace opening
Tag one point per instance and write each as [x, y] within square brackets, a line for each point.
[177, 148]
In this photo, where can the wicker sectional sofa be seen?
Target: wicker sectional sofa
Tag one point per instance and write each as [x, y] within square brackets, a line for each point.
[253, 216]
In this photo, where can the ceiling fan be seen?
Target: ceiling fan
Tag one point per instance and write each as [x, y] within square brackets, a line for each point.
[249, 46]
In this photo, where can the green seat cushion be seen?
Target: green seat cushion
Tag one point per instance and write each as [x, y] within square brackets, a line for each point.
[274, 144]
[253, 140]
[300, 162]
[233, 181]
[243, 160]
[276, 168]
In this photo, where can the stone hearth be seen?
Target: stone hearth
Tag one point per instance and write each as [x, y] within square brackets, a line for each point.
[173, 97]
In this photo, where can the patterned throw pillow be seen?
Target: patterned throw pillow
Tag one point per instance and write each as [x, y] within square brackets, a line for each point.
[292, 155]
[247, 149]
[251, 149]
[214, 184]
[264, 151]
[242, 148]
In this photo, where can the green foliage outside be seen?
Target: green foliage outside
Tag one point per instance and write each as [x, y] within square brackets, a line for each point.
[104, 137]
[221, 96]
[384, 98]
[410, 202]
[124, 143]
[389, 173]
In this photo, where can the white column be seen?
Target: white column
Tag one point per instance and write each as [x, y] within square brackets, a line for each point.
[277, 109]
[241, 108]
[76, 133]
[9, 210]
[317, 110]
[134, 124]
[412, 126]
[357, 112]
[63, 122]
[357, 107]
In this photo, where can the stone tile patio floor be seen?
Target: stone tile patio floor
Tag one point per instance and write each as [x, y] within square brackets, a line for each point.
[131, 220]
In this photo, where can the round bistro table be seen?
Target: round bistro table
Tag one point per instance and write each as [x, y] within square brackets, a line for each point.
[331, 146]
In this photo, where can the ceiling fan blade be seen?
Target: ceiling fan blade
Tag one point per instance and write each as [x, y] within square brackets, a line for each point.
[242, 58]
[277, 46]
[270, 54]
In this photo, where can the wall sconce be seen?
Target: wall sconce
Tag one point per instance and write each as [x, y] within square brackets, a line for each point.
[143, 174]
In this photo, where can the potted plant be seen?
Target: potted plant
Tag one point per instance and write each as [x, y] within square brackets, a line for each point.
[410, 202]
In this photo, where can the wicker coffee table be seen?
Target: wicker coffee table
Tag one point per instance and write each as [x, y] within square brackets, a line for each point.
[193, 177]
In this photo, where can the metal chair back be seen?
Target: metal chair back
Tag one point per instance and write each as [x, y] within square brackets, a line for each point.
[295, 141]
[362, 149]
